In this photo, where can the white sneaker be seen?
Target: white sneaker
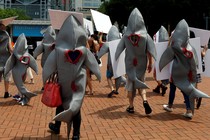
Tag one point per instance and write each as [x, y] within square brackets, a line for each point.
[165, 107]
[188, 115]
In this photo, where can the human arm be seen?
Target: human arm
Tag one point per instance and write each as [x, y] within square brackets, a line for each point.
[10, 46]
[149, 67]
[203, 51]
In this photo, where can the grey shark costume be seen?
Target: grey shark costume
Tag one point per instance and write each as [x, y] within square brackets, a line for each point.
[163, 34]
[47, 45]
[136, 51]
[184, 62]
[113, 34]
[162, 37]
[4, 50]
[69, 59]
[18, 62]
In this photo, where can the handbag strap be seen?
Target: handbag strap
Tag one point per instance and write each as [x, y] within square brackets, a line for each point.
[53, 78]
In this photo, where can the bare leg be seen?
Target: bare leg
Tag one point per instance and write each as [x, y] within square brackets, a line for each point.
[89, 83]
[6, 86]
[130, 108]
[146, 105]
[30, 75]
[110, 83]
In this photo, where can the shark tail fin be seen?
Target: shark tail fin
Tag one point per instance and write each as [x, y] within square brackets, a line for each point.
[139, 84]
[30, 95]
[196, 93]
[65, 116]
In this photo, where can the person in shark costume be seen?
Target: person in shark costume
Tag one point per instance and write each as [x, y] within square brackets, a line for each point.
[185, 62]
[18, 62]
[70, 59]
[139, 49]
[162, 36]
[47, 46]
[113, 34]
[5, 52]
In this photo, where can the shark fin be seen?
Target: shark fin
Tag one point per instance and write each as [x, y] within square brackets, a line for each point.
[151, 47]
[167, 56]
[39, 49]
[104, 49]
[65, 116]
[9, 64]
[120, 48]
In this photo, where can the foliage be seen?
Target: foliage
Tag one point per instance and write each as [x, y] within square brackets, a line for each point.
[5, 13]
[159, 12]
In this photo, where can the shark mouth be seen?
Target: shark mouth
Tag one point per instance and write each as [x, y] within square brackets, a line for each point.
[25, 60]
[187, 53]
[73, 56]
[134, 39]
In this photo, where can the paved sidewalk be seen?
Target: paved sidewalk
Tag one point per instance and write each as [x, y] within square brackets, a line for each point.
[105, 118]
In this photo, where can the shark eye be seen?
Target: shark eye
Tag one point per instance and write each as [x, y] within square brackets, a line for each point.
[134, 38]
[25, 60]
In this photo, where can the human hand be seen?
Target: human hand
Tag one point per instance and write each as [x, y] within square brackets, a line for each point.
[149, 68]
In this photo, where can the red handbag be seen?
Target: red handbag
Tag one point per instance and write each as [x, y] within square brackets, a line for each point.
[51, 96]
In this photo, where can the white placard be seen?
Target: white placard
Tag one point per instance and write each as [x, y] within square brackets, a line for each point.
[195, 42]
[203, 34]
[117, 65]
[102, 22]
[88, 25]
[156, 37]
[207, 64]
[7, 21]
[165, 72]
[57, 17]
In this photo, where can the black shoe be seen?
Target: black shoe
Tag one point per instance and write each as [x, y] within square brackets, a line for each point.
[111, 93]
[164, 90]
[75, 138]
[157, 89]
[148, 110]
[130, 109]
[7, 95]
[54, 128]
[198, 103]
[115, 92]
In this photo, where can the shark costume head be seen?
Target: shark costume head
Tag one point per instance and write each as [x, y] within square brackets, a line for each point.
[161, 35]
[69, 59]
[137, 43]
[47, 45]
[184, 62]
[112, 35]
[18, 62]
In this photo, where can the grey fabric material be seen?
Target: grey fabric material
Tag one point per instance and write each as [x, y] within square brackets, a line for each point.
[71, 74]
[4, 50]
[18, 62]
[46, 47]
[163, 34]
[136, 53]
[182, 65]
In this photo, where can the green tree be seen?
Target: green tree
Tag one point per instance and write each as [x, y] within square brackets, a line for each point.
[159, 12]
[5, 13]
